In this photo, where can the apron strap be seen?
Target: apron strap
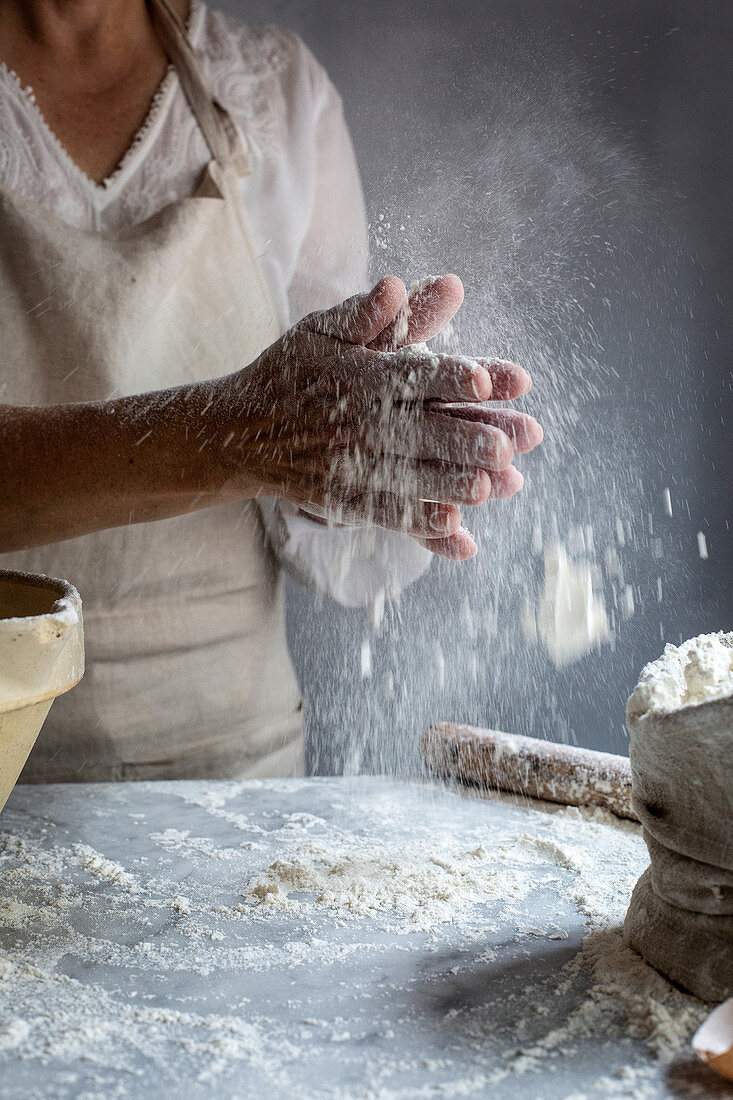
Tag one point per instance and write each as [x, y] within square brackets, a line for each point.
[214, 121]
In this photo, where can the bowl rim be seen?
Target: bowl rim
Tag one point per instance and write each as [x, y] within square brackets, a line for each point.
[67, 604]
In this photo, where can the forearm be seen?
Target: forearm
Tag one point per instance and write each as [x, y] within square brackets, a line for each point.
[321, 417]
[68, 470]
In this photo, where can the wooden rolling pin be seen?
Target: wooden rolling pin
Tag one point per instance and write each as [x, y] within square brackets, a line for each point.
[527, 766]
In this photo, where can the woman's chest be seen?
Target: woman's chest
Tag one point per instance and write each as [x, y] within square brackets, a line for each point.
[96, 126]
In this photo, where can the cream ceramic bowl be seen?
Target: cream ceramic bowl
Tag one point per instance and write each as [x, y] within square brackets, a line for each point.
[41, 656]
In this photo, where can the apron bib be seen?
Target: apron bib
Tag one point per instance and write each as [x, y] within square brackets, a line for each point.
[188, 673]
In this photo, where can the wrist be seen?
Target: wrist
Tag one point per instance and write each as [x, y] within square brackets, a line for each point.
[224, 442]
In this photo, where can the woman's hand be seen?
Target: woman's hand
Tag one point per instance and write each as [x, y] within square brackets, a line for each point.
[344, 417]
[336, 416]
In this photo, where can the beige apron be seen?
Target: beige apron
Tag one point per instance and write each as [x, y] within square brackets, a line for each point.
[187, 667]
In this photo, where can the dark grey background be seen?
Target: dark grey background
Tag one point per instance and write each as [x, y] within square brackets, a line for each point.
[573, 163]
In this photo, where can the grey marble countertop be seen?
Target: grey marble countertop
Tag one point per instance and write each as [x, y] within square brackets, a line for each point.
[325, 938]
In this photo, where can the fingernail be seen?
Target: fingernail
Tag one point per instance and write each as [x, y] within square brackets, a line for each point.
[440, 522]
[437, 523]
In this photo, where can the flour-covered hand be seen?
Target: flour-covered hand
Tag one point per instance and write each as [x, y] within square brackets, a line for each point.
[346, 418]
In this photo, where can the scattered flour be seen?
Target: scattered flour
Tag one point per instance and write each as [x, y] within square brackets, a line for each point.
[13, 1032]
[322, 894]
[177, 840]
[422, 888]
[663, 1016]
[106, 870]
[624, 989]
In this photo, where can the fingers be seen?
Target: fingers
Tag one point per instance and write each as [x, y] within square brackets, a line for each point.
[382, 448]
[508, 380]
[420, 374]
[410, 375]
[458, 547]
[436, 525]
[448, 484]
[461, 546]
[435, 436]
[423, 376]
[437, 481]
[360, 319]
[426, 310]
[523, 430]
[408, 480]
[419, 518]
[505, 483]
[385, 319]
[434, 481]
[489, 379]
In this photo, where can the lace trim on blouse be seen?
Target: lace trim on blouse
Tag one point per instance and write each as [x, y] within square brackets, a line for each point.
[168, 152]
[151, 118]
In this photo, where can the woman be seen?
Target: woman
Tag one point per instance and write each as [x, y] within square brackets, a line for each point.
[159, 228]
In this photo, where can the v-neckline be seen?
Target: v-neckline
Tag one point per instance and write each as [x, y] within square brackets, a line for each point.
[157, 109]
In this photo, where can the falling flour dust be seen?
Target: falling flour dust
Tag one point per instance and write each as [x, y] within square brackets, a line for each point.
[545, 210]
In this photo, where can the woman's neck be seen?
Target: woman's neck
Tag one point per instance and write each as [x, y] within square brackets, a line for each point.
[94, 67]
[77, 28]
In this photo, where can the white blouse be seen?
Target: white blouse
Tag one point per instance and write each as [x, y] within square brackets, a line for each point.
[305, 209]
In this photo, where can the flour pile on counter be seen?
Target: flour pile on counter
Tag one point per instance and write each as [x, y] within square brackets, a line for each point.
[422, 888]
[281, 926]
